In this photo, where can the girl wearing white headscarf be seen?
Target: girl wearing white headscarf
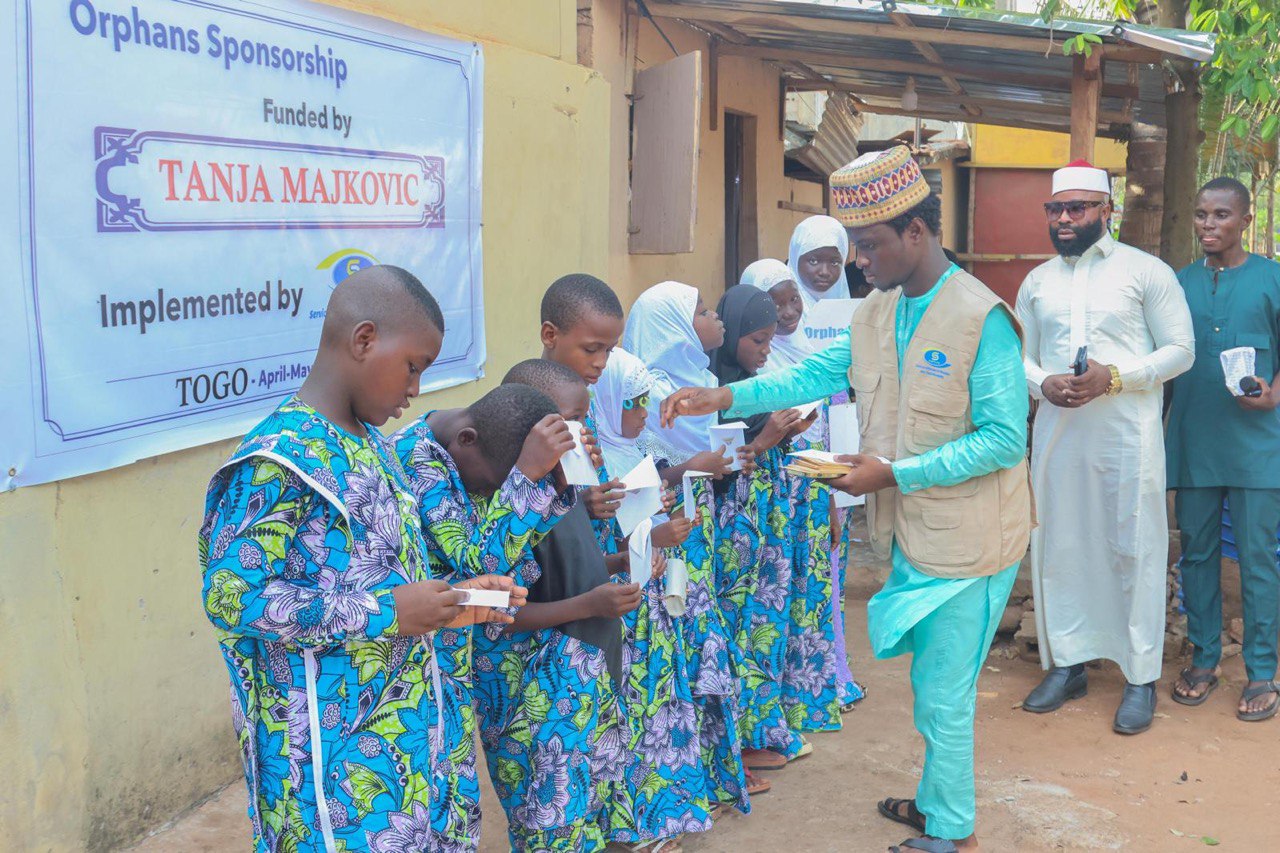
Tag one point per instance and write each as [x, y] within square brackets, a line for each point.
[814, 233]
[651, 802]
[814, 701]
[663, 332]
[670, 329]
[767, 274]
[625, 378]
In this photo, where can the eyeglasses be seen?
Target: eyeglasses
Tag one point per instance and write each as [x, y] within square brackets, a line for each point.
[1074, 209]
[642, 402]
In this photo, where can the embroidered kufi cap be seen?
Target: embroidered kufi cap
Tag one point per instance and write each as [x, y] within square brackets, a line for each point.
[1081, 175]
[877, 186]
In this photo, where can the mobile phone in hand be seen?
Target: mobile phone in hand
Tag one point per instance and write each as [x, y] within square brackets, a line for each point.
[1081, 365]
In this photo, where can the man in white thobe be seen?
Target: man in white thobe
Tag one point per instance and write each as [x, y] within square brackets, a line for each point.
[1098, 557]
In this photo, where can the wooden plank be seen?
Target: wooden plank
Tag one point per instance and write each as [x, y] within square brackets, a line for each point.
[802, 208]
[927, 98]
[664, 171]
[804, 25]
[713, 80]
[933, 57]
[1086, 84]
[1030, 82]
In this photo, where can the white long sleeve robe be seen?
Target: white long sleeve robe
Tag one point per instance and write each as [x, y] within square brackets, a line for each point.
[1098, 556]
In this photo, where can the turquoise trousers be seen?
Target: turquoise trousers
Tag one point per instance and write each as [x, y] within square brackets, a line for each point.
[949, 646]
[1255, 518]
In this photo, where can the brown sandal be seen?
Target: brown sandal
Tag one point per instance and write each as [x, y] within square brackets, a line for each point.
[763, 759]
[756, 785]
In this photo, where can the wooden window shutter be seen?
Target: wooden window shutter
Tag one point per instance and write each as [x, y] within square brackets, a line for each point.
[664, 168]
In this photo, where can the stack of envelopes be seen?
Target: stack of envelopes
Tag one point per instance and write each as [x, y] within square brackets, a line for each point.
[817, 464]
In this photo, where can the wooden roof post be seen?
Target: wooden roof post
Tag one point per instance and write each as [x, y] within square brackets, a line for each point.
[1086, 91]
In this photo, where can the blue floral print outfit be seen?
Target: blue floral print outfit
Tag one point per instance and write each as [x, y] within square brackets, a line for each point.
[308, 529]
[754, 558]
[465, 539]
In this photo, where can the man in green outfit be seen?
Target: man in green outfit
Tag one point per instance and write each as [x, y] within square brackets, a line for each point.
[1226, 447]
[936, 360]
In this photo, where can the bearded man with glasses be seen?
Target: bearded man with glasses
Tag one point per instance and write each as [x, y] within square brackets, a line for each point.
[1105, 326]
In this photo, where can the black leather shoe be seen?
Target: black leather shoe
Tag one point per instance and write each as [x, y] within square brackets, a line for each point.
[1137, 708]
[1062, 684]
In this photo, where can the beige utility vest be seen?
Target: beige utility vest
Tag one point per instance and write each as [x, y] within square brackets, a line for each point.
[973, 529]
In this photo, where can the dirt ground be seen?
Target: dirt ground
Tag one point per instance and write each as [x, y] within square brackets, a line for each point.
[1062, 781]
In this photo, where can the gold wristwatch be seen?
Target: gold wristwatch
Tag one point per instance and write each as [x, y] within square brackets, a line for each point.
[1116, 385]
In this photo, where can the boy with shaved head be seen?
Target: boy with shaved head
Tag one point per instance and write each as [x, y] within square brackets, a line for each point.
[316, 579]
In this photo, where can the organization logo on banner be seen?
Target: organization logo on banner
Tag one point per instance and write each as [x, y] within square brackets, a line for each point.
[346, 263]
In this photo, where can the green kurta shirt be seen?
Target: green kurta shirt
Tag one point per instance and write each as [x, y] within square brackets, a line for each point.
[1211, 440]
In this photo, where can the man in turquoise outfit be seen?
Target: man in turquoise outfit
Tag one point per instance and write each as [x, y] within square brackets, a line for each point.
[936, 362]
[1226, 447]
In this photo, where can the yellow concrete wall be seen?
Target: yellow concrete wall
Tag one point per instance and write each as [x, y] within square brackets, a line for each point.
[113, 699]
[746, 86]
[1036, 149]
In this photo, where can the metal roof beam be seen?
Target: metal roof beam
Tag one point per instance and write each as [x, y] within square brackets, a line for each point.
[1016, 79]
[808, 25]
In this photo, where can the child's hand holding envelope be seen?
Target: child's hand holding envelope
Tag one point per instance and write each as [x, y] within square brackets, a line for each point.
[643, 495]
[579, 470]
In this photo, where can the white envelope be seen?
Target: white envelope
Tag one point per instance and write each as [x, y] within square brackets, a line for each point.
[643, 497]
[727, 438]
[807, 408]
[1237, 363]
[677, 584]
[640, 552]
[690, 509]
[486, 598]
[578, 470]
[845, 439]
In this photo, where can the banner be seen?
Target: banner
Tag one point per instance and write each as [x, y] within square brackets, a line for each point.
[193, 178]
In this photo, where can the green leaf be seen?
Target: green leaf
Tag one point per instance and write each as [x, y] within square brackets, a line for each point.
[1269, 126]
[1209, 842]
[364, 786]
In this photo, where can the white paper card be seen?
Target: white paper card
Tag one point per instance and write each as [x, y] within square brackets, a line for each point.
[1238, 363]
[640, 552]
[690, 505]
[807, 408]
[827, 319]
[643, 498]
[486, 598]
[677, 584]
[578, 470]
[726, 439]
[845, 439]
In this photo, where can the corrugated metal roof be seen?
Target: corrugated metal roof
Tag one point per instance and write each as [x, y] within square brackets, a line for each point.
[969, 65]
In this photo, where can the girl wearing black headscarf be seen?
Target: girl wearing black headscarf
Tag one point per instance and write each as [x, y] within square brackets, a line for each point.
[753, 555]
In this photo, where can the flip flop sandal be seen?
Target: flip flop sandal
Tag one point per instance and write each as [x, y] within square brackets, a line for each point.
[1194, 681]
[756, 785]
[763, 759]
[913, 818]
[806, 748]
[655, 845]
[927, 844]
[1266, 713]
